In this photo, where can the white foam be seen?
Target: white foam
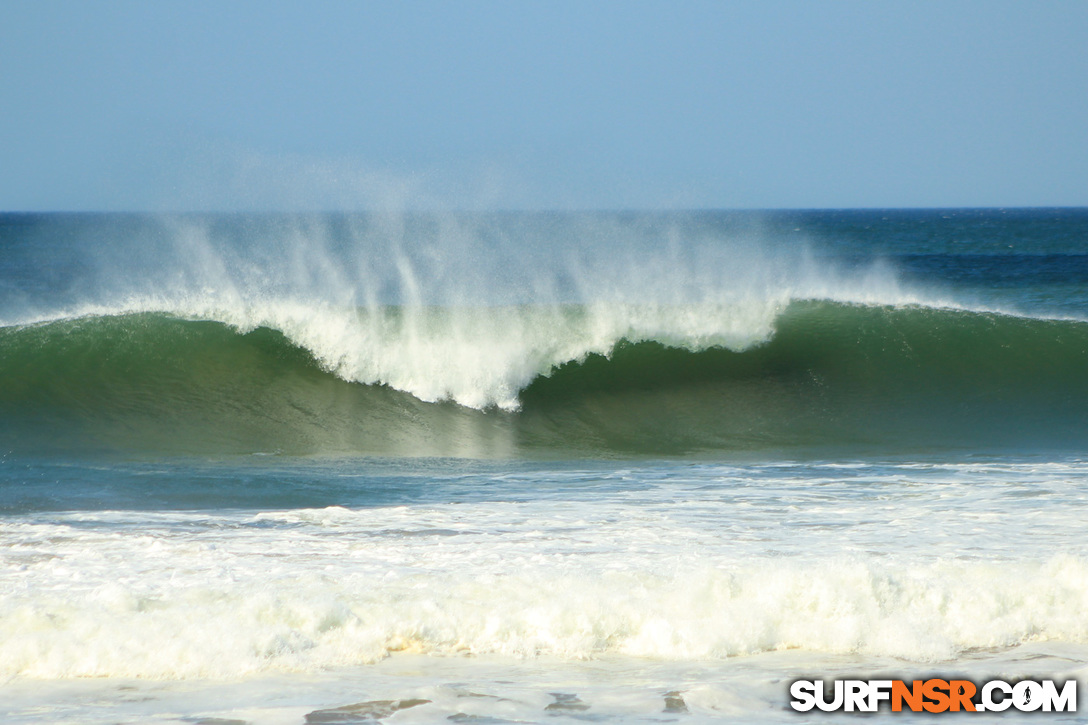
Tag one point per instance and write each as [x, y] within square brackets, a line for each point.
[226, 613]
[691, 570]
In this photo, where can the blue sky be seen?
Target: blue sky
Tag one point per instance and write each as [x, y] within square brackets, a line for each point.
[283, 105]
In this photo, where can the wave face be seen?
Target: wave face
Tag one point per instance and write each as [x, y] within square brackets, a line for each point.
[827, 374]
[532, 334]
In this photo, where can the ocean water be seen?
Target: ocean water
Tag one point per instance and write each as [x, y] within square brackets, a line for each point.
[535, 467]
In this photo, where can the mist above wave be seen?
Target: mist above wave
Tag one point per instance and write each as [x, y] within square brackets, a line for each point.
[461, 307]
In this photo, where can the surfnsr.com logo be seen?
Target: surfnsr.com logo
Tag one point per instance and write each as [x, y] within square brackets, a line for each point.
[934, 695]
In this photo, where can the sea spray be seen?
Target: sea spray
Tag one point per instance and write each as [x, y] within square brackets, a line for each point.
[460, 307]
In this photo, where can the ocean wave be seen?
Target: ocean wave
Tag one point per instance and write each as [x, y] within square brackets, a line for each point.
[589, 378]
